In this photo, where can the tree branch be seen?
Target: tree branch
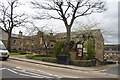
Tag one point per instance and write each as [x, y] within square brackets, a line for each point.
[74, 12]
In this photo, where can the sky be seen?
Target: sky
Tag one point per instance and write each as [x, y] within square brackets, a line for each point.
[108, 20]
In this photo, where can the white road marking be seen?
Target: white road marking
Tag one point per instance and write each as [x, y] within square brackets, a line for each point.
[12, 71]
[43, 65]
[18, 67]
[36, 64]
[31, 76]
[2, 68]
[70, 77]
[33, 73]
[49, 74]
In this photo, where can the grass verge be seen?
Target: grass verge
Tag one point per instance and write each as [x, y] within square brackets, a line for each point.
[15, 53]
[38, 58]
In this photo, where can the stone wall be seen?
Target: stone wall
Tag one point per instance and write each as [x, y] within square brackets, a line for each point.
[83, 63]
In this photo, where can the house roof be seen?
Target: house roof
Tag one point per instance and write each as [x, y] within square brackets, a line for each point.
[16, 36]
[79, 33]
[2, 29]
[112, 46]
[13, 35]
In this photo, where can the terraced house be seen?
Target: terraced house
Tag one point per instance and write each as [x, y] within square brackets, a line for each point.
[39, 43]
[44, 43]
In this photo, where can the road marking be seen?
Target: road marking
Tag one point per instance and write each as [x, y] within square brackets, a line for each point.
[12, 71]
[18, 67]
[30, 73]
[2, 68]
[31, 76]
[70, 77]
[49, 74]
[44, 65]
[36, 64]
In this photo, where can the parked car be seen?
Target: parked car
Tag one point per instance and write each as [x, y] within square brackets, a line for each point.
[4, 54]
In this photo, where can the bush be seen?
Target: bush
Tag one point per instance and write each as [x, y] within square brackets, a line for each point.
[90, 51]
[59, 47]
[29, 56]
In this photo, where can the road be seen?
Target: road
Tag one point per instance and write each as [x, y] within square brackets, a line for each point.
[113, 70]
[13, 69]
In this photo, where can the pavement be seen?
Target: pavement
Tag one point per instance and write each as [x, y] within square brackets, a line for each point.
[96, 69]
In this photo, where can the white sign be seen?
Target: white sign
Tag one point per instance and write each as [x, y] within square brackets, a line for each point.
[79, 45]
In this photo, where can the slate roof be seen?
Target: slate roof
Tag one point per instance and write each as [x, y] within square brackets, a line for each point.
[17, 36]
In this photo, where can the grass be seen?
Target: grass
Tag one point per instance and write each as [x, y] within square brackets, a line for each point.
[38, 58]
[14, 53]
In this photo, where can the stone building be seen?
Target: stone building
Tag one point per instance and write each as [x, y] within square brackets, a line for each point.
[112, 51]
[42, 43]
[38, 43]
[82, 37]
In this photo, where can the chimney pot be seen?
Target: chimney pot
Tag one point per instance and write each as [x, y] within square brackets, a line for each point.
[20, 33]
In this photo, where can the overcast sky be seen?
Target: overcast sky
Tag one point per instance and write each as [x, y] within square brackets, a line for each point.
[109, 20]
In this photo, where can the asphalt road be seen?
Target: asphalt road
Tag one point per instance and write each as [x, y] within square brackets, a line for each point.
[113, 70]
[18, 73]
[18, 70]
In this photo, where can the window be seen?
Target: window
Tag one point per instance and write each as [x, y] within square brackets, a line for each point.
[41, 41]
[15, 41]
[26, 43]
[52, 46]
[21, 43]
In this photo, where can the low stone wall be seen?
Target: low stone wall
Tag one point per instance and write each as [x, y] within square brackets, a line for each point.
[50, 60]
[83, 63]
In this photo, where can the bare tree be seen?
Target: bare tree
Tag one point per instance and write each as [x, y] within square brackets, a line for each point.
[88, 30]
[42, 36]
[10, 19]
[68, 11]
[88, 27]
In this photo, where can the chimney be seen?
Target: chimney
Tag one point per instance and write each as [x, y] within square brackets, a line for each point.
[51, 33]
[39, 33]
[20, 33]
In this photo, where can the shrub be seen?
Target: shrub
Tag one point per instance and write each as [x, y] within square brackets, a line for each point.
[90, 50]
[29, 56]
[59, 47]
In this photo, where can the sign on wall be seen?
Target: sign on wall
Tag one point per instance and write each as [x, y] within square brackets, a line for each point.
[79, 50]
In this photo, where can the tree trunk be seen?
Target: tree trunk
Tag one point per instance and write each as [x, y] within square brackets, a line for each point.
[68, 40]
[9, 41]
[10, 30]
[46, 49]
